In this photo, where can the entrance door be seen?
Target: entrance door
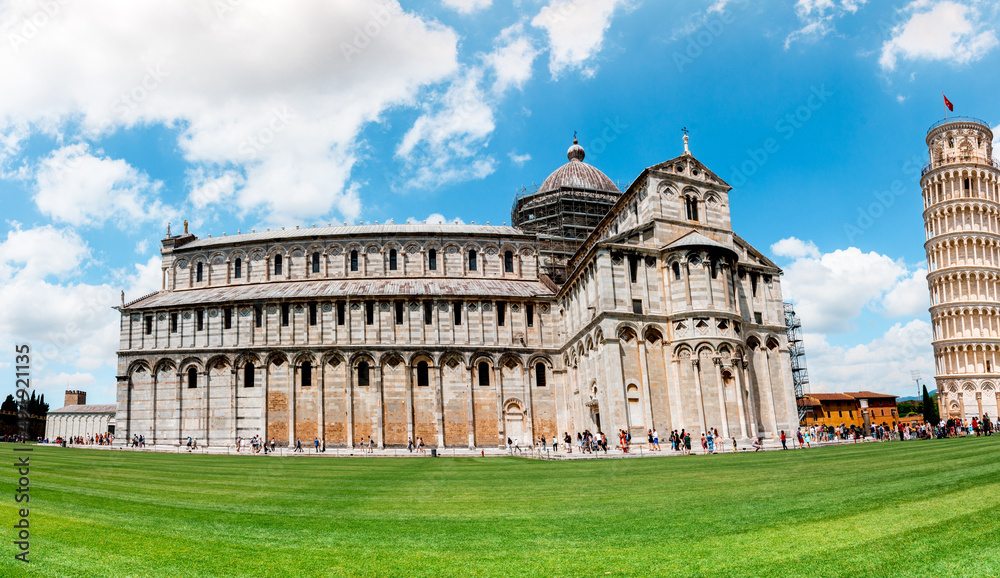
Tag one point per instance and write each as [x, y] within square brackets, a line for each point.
[515, 429]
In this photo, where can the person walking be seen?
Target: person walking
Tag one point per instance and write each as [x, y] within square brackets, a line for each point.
[711, 442]
[656, 441]
[687, 444]
[298, 445]
[316, 445]
[784, 443]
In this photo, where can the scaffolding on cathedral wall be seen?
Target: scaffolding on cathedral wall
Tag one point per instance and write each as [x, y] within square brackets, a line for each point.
[796, 355]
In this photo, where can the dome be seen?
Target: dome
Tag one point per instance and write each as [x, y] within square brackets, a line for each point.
[577, 174]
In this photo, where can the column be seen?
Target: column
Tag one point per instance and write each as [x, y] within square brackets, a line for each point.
[979, 403]
[696, 367]
[232, 403]
[292, 370]
[208, 408]
[180, 412]
[472, 420]
[501, 430]
[379, 419]
[738, 375]
[409, 402]
[647, 401]
[770, 393]
[321, 420]
[751, 406]
[722, 397]
[152, 439]
[529, 409]
[350, 400]
[439, 407]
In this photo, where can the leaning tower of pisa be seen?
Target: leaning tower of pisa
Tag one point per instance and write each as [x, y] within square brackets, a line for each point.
[961, 190]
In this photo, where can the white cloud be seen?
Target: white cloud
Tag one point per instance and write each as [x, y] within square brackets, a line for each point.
[74, 186]
[575, 30]
[277, 93]
[512, 60]
[518, 160]
[142, 246]
[467, 6]
[34, 254]
[944, 31]
[817, 16]
[794, 248]
[882, 365]
[435, 219]
[831, 290]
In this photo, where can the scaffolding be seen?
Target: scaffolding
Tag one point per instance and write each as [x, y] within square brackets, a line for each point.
[562, 220]
[796, 355]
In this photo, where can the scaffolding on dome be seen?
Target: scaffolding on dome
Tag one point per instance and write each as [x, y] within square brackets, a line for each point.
[562, 220]
[796, 355]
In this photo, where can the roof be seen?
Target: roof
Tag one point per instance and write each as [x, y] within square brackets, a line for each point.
[696, 239]
[357, 230]
[806, 402]
[90, 408]
[830, 396]
[577, 174]
[358, 288]
[869, 395]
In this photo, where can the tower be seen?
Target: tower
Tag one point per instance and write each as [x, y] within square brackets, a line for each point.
[961, 193]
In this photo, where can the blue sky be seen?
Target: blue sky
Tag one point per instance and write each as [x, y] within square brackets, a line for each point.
[118, 118]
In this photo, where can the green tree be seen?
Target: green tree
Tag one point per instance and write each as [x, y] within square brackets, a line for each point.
[9, 404]
[931, 415]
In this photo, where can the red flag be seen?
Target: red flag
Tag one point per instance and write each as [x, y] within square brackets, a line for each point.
[947, 103]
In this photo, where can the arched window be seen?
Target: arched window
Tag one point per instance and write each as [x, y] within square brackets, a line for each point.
[473, 265]
[508, 262]
[248, 375]
[238, 268]
[363, 374]
[277, 264]
[423, 379]
[354, 260]
[691, 208]
[198, 274]
[677, 271]
[316, 262]
[432, 260]
[192, 378]
[307, 374]
[484, 373]
[715, 269]
[392, 259]
[540, 374]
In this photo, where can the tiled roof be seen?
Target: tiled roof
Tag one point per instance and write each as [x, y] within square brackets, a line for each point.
[806, 402]
[356, 288]
[577, 175]
[830, 396]
[869, 395]
[90, 408]
[356, 230]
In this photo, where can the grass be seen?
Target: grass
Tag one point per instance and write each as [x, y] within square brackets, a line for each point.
[914, 508]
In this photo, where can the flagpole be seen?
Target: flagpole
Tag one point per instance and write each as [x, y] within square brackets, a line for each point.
[945, 105]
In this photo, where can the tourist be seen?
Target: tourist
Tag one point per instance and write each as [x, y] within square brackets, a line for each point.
[756, 445]
[687, 444]
[656, 441]
[710, 439]
[704, 444]
[420, 445]
[272, 445]
[784, 444]
[409, 444]
[735, 448]
[298, 445]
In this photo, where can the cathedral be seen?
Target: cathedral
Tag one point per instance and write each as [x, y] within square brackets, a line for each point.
[597, 309]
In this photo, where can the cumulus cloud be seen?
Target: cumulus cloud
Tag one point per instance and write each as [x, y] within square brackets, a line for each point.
[817, 17]
[512, 59]
[883, 364]
[435, 219]
[938, 31]
[34, 254]
[518, 160]
[831, 290]
[575, 30]
[277, 93]
[73, 185]
[467, 6]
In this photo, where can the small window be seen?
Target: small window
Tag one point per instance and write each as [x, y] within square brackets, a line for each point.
[277, 264]
[530, 314]
[198, 273]
[691, 208]
[341, 308]
[227, 316]
[315, 262]
[753, 284]
[457, 308]
[173, 323]
[307, 372]
[428, 312]
[501, 313]
[354, 260]
[399, 312]
[637, 306]
[484, 373]
[989, 366]
[284, 314]
[715, 269]
[473, 265]
[258, 315]
[369, 312]
[540, 375]
[200, 318]
[633, 268]
[192, 378]
[508, 262]
[238, 268]
[677, 271]
[423, 379]
[432, 260]
[312, 314]
[248, 375]
[392, 259]
[758, 318]
[363, 374]
[149, 325]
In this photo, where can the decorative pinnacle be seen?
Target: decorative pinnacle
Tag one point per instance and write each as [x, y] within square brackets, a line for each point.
[686, 150]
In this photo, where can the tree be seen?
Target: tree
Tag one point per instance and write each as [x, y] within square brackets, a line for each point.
[931, 414]
[9, 404]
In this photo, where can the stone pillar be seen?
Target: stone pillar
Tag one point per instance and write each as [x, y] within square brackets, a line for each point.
[751, 405]
[409, 402]
[529, 413]
[233, 409]
[439, 407]
[321, 402]
[696, 368]
[263, 376]
[501, 429]
[180, 408]
[979, 403]
[472, 419]
[647, 402]
[770, 393]
[380, 419]
[738, 375]
[722, 397]
[350, 400]
[292, 371]
[152, 436]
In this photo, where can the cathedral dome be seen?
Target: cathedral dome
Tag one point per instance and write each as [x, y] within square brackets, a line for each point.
[577, 174]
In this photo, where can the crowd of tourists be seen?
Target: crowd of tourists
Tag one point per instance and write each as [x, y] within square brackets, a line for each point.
[104, 439]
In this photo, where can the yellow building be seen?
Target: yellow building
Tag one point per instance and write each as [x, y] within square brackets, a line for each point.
[851, 408]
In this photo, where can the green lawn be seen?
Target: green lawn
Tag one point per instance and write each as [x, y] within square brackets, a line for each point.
[916, 508]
